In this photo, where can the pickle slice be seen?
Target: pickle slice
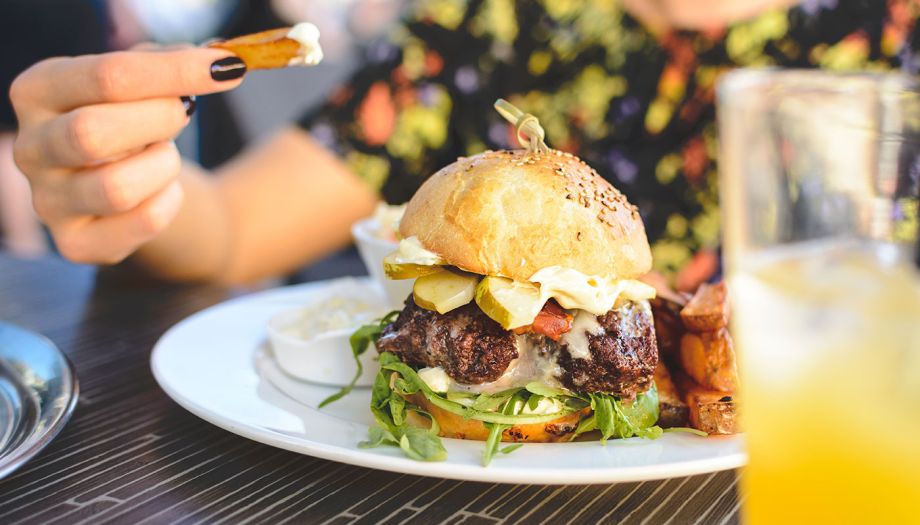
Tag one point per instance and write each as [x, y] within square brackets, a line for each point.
[399, 271]
[444, 290]
[510, 303]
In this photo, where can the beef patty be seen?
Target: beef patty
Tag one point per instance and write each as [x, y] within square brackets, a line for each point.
[468, 344]
[474, 349]
[623, 358]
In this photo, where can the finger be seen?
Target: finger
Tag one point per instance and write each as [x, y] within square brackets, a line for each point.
[63, 84]
[146, 46]
[153, 46]
[109, 240]
[120, 186]
[94, 134]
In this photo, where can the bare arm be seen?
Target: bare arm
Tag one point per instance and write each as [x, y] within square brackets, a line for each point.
[95, 141]
[285, 202]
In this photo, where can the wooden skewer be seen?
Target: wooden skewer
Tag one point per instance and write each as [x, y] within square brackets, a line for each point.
[527, 127]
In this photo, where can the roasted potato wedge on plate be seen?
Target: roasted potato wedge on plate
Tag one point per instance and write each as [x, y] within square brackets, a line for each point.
[709, 358]
[707, 310]
[711, 411]
[672, 410]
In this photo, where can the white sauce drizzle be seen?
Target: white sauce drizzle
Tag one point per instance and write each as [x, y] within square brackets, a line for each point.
[577, 339]
[528, 367]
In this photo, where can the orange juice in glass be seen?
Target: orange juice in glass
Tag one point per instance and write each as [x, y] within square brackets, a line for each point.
[819, 177]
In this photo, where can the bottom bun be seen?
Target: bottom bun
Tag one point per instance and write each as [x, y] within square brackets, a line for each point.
[454, 426]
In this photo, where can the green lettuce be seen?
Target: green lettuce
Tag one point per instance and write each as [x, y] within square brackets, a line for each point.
[617, 419]
[359, 342]
[395, 381]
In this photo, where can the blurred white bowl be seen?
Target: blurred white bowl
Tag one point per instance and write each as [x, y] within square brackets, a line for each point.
[325, 359]
[311, 341]
[373, 249]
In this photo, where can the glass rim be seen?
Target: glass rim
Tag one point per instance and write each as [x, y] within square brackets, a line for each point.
[738, 80]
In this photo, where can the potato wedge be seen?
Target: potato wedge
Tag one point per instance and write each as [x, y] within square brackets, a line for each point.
[274, 48]
[672, 410]
[668, 328]
[708, 410]
[707, 310]
[709, 358]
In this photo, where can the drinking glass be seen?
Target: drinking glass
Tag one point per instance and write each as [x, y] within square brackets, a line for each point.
[819, 184]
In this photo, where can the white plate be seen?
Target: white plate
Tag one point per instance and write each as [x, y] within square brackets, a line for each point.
[215, 364]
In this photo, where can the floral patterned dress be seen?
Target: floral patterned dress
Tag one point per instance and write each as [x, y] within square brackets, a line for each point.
[636, 106]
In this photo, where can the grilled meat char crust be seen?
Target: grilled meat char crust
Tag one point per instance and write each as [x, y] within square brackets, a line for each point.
[468, 344]
[474, 349]
[623, 357]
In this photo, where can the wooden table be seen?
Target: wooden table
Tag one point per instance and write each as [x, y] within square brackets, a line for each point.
[132, 455]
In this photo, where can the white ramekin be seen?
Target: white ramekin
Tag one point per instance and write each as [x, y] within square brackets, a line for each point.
[373, 249]
[325, 359]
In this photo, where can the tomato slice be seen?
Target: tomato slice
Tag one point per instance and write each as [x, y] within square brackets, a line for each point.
[552, 321]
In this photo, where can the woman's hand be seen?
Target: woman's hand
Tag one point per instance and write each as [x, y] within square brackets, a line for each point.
[95, 141]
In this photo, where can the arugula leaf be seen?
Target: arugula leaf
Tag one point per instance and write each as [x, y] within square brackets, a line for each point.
[380, 392]
[488, 403]
[639, 418]
[359, 341]
[421, 445]
[492, 442]
[398, 409]
[498, 412]
[378, 436]
[494, 417]
[390, 411]
[464, 398]
[605, 416]
[687, 430]
[386, 358]
[533, 401]
[404, 387]
[652, 432]
[643, 412]
[586, 425]
[512, 406]
[544, 390]
[615, 419]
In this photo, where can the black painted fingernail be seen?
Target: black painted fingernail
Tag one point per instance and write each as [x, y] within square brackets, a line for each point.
[230, 68]
[190, 104]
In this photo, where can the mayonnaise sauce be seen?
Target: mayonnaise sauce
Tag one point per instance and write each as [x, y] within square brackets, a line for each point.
[307, 35]
[411, 251]
[576, 339]
[572, 289]
[575, 290]
[531, 365]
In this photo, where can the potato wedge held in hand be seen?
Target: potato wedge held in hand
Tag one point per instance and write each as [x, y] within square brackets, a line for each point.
[276, 48]
[707, 310]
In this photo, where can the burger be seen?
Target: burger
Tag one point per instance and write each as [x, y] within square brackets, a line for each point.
[527, 322]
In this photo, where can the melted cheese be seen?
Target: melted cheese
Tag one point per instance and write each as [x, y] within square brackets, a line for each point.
[598, 295]
[544, 406]
[576, 339]
[530, 366]
[436, 378]
[411, 251]
[572, 289]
